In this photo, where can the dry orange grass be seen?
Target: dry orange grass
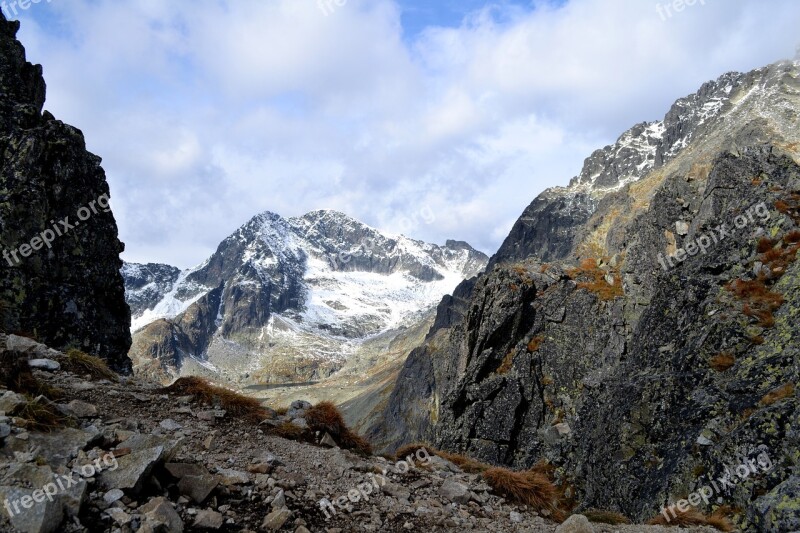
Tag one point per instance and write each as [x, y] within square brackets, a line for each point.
[530, 488]
[606, 517]
[593, 279]
[506, 363]
[693, 518]
[325, 417]
[235, 404]
[722, 362]
[535, 343]
[781, 393]
[465, 463]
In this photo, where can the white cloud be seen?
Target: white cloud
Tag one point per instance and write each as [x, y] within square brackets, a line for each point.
[208, 111]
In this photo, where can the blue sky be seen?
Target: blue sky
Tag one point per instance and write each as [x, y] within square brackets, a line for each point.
[206, 112]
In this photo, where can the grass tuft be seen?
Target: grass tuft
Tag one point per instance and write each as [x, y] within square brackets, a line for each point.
[506, 364]
[722, 362]
[83, 363]
[234, 403]
[16, 375]
[593, 278]
[781, 393]
[535, 343]
[693, 518]
[41, 415]
[606, 517]
[528, 488]
[326, 417]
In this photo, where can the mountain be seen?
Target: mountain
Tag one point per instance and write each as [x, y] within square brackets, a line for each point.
[287, 300]
[638, 329]
[59, 276]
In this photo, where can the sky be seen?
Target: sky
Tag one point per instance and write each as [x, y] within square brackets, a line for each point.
[207, 112]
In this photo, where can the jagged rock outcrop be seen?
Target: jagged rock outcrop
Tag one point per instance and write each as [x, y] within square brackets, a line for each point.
[288, 300]
[641, 376]
[59, 275]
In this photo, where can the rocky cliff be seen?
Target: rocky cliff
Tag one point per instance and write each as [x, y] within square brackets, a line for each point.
[59, 275]
[287, 300]
[638, 329]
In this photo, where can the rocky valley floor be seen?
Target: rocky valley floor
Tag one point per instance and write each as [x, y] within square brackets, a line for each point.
[181, 465]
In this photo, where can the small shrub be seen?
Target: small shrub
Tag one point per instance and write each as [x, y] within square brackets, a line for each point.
[781, 393]
[528, 488]
[606, 517]
[722, 362]
[82, 363]
[235, 404]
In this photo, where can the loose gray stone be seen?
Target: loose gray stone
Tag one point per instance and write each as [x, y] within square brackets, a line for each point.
[132, 471]
[44, 364]
[454, 491]
[275, 520]
[170, 425]
[208, 519]
[576, 523]
[159, 511]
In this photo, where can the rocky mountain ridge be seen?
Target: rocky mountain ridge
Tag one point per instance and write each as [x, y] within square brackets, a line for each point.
[637, 329]
[288, 299]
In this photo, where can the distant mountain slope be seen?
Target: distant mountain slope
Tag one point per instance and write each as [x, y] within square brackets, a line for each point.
[288, 299]
[638, 329]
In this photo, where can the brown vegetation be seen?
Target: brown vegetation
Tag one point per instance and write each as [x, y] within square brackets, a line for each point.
[529, 488]
[507, 363]
[326, 418]
[606, 517]
[235, 404]
[467, 464]
[41, 415]
[781, 393]
[722, 362]
[693, 518]
[17, 376]
[79, 362]
[535, 343]
[593, 278]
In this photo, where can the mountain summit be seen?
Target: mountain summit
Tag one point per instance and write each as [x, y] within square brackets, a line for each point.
[299, 293]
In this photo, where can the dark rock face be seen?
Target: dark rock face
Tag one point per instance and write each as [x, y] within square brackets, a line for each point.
[643, 393]
[58, 281]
